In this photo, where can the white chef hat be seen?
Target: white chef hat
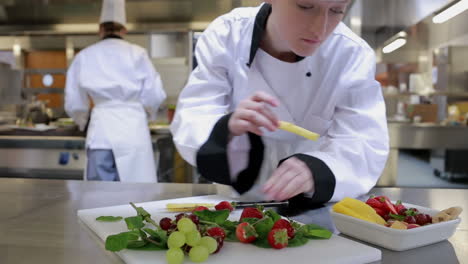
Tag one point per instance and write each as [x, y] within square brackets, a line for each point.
[113, 11]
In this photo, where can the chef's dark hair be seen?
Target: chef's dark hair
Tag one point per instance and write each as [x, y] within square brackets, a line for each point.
[110, 28]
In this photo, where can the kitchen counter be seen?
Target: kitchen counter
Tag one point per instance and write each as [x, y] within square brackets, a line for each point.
[38, 221]
[420, 136]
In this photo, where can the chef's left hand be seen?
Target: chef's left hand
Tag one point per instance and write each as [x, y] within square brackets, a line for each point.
[291, 178]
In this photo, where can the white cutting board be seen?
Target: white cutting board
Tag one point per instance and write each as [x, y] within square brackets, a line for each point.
[334, 250]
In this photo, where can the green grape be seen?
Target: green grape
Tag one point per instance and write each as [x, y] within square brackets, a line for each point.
[192, 238]
[198, 254]
[176, 240]
[210, 244]
[175, 256]
[185, 225]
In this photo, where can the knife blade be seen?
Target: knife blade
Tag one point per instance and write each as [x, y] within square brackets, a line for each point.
[186, 207]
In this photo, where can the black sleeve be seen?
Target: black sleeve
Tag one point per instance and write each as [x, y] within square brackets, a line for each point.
[212, 159]
[324, 181]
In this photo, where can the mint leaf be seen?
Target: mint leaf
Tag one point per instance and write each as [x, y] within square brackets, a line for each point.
[297, 241]
[230, 229]
[149, 247]
[158, 236]
[312, 231]
[218, 217]
[140, 211]
[262, 243]
[109, 218]
[263, 227]
[136, 244]
[229, 225]
[119, 241]
[231, 236]
[134, 222]
[275, 216]
[250, 220]
[397, 217]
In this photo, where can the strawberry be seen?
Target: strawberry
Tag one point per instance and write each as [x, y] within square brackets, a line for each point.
[224, 205]
[374, 203]
[388, 206]
[400, 208]
[278, 238]
[216, 232]
[380, 212]
[251, 212]
[411, 226]
[283, 223]
[200, 208]
[245, 232]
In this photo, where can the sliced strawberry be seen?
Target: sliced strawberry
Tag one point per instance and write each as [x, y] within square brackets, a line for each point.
[245, 232]
[200, 208]
[411, 226]
[224, 205]
[278, 238]
[283, 223]
[381, 212]
[374, 203]
[387, 204]
[251, 212]
[216, 232]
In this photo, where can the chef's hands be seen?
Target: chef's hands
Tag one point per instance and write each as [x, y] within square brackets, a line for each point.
[291, 178]
[253, 113]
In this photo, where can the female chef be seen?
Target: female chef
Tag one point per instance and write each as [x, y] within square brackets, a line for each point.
[290, 60]
[126, 90]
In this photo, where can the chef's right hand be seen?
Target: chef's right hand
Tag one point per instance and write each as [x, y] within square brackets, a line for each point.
[253, 113]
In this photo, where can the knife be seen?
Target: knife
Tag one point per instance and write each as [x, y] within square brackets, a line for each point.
[187, 207]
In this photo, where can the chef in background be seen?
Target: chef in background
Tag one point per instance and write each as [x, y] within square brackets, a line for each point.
[126, 91]
[290, 60]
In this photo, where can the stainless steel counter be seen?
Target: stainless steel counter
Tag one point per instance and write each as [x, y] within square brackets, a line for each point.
[62, 157]
[420, 136]
[38, 222]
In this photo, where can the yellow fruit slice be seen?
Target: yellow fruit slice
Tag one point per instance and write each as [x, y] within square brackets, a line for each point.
[340, 208]
[359, 209]
[298, 130]
[398, 225]
[186, 207]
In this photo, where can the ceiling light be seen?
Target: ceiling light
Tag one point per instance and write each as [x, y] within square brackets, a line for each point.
[394, 45]
[451, 12]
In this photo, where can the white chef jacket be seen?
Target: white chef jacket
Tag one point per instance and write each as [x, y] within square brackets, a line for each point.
[127, 92]
[339, 99]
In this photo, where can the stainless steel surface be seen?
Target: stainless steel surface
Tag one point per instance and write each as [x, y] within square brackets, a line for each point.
[382, 19]
[38, 223]
[61, 16]
[63, 157]
[10, 84]
[422, 136]
[419, 136]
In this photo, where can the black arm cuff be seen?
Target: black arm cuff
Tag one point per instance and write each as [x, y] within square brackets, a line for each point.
[324, 182]
[212, 159]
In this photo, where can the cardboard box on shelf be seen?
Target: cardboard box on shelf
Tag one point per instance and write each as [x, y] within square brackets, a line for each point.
[427, 112]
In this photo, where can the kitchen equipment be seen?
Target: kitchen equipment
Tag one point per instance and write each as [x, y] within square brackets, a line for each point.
[395, 239]
[334, 250]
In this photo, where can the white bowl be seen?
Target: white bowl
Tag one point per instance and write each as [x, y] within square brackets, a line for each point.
[396, 239]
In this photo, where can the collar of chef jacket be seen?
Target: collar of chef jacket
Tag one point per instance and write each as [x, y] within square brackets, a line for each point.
[259, 31]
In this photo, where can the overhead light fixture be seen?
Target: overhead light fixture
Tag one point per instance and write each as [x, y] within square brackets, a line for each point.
[451, 12]
[397, 42]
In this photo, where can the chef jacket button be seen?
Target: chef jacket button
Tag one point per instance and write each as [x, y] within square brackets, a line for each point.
[308, 74]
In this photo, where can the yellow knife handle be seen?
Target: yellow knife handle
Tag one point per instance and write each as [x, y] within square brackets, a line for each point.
[298, 130]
